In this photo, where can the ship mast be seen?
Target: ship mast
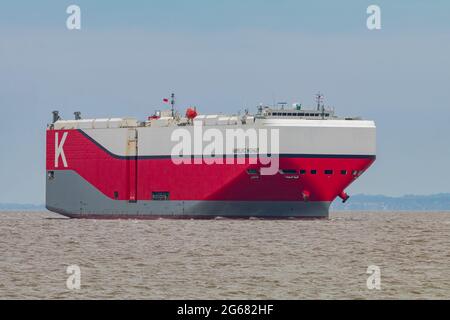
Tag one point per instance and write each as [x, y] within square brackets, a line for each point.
[319, 99]
[172, 103]
[320, 105]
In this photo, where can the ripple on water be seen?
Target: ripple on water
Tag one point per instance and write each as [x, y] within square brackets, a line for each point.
[223, 258]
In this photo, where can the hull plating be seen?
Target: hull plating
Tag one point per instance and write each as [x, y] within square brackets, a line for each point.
[70, 195]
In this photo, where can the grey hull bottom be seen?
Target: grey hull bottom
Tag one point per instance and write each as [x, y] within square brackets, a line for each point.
[70, 195]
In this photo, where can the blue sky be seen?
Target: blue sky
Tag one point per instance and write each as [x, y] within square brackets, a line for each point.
[222, 56]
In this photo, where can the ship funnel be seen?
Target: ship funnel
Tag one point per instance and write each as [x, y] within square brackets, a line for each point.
[77, 115]
[56, 116]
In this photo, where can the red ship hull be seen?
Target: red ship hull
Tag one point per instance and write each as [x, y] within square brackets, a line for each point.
[136, 179]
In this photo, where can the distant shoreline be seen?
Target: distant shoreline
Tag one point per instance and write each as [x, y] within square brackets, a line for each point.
[21, 207]
[362, 202]
[331, 211]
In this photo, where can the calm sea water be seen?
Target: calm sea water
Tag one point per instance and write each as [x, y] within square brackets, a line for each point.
[226, 259]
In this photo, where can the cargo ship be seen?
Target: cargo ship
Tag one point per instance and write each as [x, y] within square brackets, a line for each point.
[280, 162]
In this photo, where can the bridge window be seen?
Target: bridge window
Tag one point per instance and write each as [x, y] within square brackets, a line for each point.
[116, 195]
[328, 171]
[314, 171]
[252, 171]
[302, 171]
[343, 172]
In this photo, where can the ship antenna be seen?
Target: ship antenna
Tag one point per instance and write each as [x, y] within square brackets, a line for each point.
[172, 102]
[319, 99]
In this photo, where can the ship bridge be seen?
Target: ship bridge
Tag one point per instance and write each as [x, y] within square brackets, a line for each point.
[297, 113]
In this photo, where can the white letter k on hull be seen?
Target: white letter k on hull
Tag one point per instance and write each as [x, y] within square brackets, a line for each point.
[59, 151]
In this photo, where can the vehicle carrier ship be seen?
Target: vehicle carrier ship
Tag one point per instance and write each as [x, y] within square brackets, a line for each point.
[125, 168]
